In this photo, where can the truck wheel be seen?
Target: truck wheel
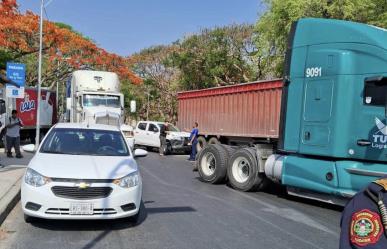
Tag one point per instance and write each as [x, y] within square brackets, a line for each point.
[213, 140]
[202, 142]
[242, 170]
[230, 150]
[212, 164]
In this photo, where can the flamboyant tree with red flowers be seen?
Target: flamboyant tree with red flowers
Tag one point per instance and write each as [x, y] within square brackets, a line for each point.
[64, 50]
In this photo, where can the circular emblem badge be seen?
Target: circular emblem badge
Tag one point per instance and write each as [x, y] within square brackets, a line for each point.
[366, 228]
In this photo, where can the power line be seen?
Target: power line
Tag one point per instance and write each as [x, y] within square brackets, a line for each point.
[45, 13]
[44, 8]
[48, 3]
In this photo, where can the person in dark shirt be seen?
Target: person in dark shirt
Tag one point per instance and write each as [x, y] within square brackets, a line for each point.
[364, 219]
[194, 141]
[163, 138]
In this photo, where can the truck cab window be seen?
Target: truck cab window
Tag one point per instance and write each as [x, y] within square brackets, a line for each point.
[153, 128]
[90, 100]
[375, 92]
[142, 126]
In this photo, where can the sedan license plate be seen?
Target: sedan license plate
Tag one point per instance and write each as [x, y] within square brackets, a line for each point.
[81, 209]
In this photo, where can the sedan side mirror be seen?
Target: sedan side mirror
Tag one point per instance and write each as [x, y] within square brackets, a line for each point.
[29, 148]
[140, 153]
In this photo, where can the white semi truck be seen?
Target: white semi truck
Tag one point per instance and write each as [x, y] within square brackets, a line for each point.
[94, 97]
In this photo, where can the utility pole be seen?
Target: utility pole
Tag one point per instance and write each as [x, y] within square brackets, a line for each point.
[57, 91]
[37, 138]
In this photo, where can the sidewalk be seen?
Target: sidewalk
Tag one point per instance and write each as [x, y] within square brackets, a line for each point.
[11, 175]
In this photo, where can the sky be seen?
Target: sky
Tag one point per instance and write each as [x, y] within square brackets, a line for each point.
[125, 27]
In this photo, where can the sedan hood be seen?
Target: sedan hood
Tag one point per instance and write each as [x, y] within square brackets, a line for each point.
[82, 167]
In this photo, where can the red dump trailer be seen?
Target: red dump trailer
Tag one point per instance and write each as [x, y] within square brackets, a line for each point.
[238, 114]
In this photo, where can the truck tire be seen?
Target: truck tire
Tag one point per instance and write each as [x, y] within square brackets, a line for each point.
[242, 171]
[212, 163]
[213, 140]
[230, 150]
[202, 142]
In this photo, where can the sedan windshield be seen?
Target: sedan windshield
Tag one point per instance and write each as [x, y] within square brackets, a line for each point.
[85, 142]
[90, 100]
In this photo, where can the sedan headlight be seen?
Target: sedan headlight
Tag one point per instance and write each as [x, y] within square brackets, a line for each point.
[128, 181]
[35, 179]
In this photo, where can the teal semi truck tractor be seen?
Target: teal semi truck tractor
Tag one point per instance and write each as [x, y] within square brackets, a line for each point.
[332, 127]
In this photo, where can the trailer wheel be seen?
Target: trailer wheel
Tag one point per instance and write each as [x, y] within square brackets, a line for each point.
[202, 142]
[242, 171]
[213, 140]
[212, 163]
[230, 150]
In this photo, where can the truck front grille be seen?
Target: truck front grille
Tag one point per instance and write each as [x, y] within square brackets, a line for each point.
[80, 193]
[107, 120]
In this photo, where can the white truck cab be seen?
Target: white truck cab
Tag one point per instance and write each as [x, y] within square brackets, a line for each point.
[95, 97]
[147, 133]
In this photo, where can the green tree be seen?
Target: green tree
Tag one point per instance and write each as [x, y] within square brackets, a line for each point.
[273, 27]
[215, 57]
[160, 82]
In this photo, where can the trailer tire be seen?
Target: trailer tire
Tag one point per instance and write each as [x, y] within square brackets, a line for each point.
[242, 171]
[213, 140]
[212, 163]
[230, 150]
[202, 142]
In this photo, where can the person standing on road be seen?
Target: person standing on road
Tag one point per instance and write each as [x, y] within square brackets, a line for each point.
[12, 135]
[194, 141]
[163, 138]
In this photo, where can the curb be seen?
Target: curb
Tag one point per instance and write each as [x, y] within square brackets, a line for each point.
[9, 201]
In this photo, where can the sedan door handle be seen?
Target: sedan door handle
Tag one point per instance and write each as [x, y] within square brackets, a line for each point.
[363, 142]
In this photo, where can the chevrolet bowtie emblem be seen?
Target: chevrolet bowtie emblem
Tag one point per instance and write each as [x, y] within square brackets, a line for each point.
[83, 185]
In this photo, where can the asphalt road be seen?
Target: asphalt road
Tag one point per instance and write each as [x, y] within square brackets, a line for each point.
[182, 212]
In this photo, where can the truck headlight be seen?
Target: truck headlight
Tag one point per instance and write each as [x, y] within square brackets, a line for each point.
[128, 181]
[35, 179]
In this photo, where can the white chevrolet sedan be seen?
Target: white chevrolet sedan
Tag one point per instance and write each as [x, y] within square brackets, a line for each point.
[82, 172]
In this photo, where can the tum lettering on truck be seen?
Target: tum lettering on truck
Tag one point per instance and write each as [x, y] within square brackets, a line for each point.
[379, 138]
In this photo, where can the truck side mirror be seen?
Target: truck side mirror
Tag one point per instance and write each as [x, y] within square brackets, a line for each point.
[2, 107]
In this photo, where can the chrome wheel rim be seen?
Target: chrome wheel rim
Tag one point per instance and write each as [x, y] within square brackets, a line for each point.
[241, 169]
[208, 164]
